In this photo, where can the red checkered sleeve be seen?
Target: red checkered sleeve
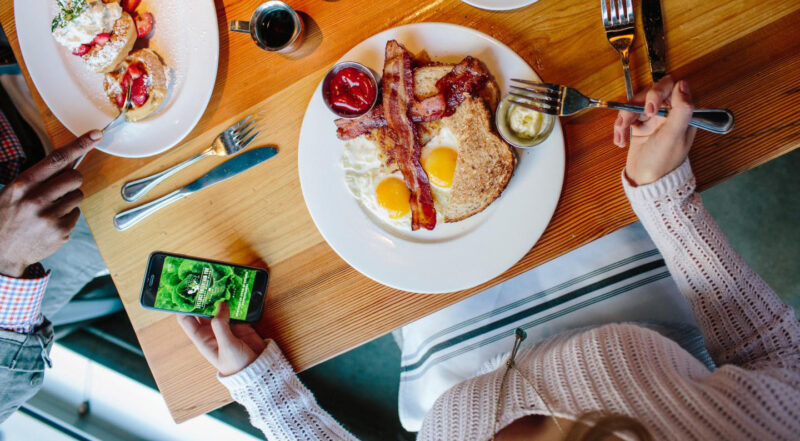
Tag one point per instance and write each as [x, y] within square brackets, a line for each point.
[11, 154]
[21, 299]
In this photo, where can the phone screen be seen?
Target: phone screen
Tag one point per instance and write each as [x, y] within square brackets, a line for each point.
[198, 287]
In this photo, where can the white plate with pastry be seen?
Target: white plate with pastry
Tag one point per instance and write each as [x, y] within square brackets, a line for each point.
[491, 202]
[80, 54]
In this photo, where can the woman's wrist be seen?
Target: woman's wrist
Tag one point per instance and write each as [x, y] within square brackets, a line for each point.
[673, 181]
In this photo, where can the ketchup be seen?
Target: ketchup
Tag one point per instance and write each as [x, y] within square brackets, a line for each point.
[351, 91]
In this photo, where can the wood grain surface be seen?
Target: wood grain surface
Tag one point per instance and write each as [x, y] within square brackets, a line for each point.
[741, 55]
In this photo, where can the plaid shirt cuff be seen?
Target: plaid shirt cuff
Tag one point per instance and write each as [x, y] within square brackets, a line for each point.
[21, 299]
[11, 154]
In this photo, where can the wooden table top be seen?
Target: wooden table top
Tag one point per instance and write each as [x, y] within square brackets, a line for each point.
[739, 55]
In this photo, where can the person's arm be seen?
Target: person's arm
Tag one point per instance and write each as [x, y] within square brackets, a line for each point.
[744, 322]
[38, 209]
[266, 385]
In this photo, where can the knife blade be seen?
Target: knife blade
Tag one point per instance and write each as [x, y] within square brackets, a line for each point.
[231, 168]
[220, 173]
[654, 38]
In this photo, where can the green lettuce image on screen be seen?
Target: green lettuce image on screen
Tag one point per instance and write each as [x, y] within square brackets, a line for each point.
[199, 287]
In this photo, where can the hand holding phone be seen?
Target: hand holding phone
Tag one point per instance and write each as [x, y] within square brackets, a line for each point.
[230, 348]
[193, 286]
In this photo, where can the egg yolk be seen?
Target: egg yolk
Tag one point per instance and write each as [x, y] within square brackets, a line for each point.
[393, 195]
[440, 165]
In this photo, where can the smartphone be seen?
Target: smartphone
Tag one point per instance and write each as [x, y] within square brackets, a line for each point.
[194, 286]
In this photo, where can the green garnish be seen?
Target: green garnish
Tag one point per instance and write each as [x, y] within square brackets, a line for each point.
[68, 10]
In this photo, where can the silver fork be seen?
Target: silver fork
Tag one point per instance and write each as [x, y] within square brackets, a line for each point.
[620, 29]
[229, 142]
[559, 100]
[114, 122]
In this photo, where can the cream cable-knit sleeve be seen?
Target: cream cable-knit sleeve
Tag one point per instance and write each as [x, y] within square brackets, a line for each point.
[278, 404]
[743, 320]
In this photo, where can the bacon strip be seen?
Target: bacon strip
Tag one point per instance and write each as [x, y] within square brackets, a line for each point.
[398, 96]
[467, 77]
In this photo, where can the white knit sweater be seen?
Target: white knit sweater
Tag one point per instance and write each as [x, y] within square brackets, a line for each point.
[625, 369]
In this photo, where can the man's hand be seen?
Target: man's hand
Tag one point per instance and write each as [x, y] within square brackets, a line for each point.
[39, 208]
[230, 348]
[659, 145]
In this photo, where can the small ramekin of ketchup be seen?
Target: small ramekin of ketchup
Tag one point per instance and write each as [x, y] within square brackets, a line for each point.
[350, 89]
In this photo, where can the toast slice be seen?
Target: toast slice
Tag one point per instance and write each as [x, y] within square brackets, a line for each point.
[107, 57]
[485, 163]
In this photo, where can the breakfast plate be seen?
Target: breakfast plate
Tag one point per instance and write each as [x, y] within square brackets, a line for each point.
[185, 36]
[453, 256]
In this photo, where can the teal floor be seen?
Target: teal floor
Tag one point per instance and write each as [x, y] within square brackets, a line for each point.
[759, 211]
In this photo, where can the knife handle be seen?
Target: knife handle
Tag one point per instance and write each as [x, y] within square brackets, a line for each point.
[134, 190]
[128, 218]
[711, 120]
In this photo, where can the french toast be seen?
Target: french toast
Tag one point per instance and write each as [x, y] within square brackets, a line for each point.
[106, 57]
[485, 163]
[145, 72]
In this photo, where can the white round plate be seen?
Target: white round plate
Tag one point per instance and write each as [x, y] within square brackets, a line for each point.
[453, 256]
[186, 37]
[499, 5]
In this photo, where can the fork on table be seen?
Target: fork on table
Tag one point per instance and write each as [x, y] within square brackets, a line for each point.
[620, 29]
[559, 100]
[229, 142]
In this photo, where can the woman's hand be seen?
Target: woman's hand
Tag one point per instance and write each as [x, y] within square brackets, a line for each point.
[659, 145]
[230, 348]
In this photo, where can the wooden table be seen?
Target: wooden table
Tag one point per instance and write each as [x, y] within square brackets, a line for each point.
[742, 55]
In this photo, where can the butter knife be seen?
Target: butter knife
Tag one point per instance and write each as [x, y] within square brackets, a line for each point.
[222, 172]
[654, 38]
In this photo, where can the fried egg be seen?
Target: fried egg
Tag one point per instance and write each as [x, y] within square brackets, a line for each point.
[379, 185]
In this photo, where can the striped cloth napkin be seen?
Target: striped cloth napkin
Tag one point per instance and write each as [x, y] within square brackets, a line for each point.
[618, 278]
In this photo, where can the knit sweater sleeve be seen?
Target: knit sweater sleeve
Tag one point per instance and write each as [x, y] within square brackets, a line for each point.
[278, 404]
[743, 321]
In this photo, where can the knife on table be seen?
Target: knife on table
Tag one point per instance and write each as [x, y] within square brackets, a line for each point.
[222, 172]
[654, 38]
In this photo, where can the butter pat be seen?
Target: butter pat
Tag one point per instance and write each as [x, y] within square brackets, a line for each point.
[525, 123]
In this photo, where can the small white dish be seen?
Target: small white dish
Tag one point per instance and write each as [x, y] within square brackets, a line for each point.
[185, 36]
[499, 5]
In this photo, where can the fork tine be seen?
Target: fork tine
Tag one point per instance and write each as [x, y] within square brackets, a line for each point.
[549, 111]
[239, 123]
[247, 141]
[629, 10]
[237, 137]
[623, 19]
[237, 134]
[604, 11]
[535, 100]
[535, 94]
[614, 16]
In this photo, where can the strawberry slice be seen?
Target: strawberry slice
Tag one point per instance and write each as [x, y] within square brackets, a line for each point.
[101, 39]
[81, 50]
[144, 24]
[136, 70]
[123, 84]
[139, 93]
[130, 5]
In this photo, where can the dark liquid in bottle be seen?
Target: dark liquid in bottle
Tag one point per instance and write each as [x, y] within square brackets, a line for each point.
[275, 27]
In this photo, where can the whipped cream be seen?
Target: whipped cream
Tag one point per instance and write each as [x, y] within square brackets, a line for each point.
[98, 17]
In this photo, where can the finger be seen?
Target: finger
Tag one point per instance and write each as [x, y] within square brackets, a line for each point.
[59, 185]
[681, 112]
[657, 95]
[221, 325]
[67, 203]
[61, 158]
[247, 334]
[622, 125]
[69, 220]
[202, 339]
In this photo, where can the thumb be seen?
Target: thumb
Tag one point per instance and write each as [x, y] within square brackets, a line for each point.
[221, 325]
[681, 112]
